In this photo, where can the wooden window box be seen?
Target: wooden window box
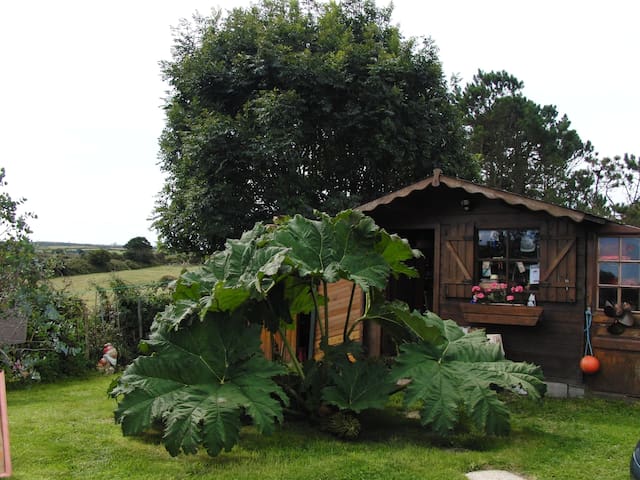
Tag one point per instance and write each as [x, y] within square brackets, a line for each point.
[501, 314]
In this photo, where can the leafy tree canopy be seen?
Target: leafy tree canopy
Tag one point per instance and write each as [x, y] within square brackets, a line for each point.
[139, 249]
[520, 146]
[615, 183]
[138, 243]
[283, 108]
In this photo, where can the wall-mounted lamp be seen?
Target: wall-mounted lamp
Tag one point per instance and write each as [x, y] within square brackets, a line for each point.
[465, 204]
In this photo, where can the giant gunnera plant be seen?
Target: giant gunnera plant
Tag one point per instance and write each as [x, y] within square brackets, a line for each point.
[205, 375]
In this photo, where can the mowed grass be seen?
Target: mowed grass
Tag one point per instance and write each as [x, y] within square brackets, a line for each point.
[66, 431]
[84, 286]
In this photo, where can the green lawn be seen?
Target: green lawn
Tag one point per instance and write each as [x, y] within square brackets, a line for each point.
[66, 431]
[84, 285]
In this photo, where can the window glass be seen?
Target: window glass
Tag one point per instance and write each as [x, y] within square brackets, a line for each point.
[608, 248]
[631, 296]
[507, 256]
[631, 249]
[607, 295]
[608, 273]
[523, 243]
[630, 274]
[619, 271]
[492, 243]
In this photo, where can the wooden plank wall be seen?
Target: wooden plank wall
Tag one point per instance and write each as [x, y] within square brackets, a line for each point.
[556, 343]
[339, 294]
[619, 357]
[273, 347]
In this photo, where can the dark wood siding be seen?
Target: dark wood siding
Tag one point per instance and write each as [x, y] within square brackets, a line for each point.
[556, 343]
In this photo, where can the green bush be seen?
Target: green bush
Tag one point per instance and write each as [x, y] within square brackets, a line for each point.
[55, 338]
[117, 265]
[124, 316]
[77, 265]
[99, 258]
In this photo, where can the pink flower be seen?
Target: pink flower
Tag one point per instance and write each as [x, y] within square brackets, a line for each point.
[480, 295]
[475, 289]
[494, 286]
[517, 289]
[510, 298]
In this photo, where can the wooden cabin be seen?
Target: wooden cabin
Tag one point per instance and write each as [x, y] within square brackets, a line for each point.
[569, 261]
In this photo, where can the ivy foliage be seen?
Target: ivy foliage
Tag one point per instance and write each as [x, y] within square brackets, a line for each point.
[207, 370]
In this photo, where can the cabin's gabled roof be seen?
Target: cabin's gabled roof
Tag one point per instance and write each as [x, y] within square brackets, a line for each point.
[438, 179]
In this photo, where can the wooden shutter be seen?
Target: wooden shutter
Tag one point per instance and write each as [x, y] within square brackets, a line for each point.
[456, 261]
[558, 268]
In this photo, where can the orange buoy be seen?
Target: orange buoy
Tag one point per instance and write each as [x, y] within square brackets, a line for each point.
[589, 364]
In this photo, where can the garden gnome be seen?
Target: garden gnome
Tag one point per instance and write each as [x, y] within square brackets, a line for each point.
[107, 363]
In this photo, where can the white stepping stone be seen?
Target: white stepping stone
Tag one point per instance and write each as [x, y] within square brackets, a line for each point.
[493, 475]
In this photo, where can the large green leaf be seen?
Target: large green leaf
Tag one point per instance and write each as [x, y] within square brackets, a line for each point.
[455, 376]
[358, 386]
[341, 247]
[199, 381]
[298, 251]
[396, 251]
[405, 325]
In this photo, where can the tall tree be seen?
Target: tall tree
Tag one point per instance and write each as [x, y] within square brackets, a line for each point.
[617, 181]
[283, 108]
[139, 249]
[519, 145]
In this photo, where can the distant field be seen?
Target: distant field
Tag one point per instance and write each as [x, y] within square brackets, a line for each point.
[76, 247]
[84, 285]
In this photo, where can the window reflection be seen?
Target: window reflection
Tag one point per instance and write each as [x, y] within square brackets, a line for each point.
[507, 255]
[608, 273]
[619, 271]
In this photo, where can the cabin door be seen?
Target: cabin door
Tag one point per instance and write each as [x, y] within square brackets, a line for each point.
[417, 292]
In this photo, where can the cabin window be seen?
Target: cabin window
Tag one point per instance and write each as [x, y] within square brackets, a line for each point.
[510, 256]
[619, 271]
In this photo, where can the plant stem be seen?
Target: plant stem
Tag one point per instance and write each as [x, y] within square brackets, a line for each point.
[345, 335]
[294, 359]
[317, 309]
[326, 311]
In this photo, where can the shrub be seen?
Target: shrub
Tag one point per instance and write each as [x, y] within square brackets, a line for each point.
[99, 258]
[117, 264]
[55, 338]
[52, 318]
[77, 265]
[124, 316]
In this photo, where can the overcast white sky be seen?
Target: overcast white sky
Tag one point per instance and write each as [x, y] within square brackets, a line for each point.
[82, 94]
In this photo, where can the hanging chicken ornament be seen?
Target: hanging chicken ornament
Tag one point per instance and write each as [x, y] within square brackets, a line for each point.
[107, 364]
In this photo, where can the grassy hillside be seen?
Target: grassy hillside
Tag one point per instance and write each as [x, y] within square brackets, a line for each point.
[85, 285]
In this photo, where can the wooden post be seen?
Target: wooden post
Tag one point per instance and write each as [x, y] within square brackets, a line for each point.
[5, 460]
